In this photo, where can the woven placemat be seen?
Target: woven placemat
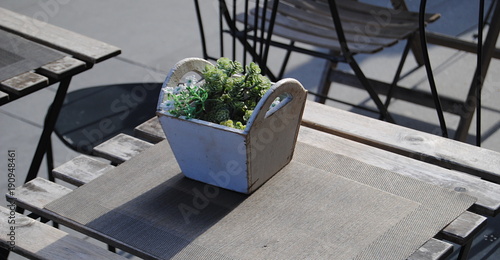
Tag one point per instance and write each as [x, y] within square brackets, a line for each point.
[320, 206]
[18, 55]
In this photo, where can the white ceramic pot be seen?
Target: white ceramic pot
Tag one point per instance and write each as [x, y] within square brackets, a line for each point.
[238, 160]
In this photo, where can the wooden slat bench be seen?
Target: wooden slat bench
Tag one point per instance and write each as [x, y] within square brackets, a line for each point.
[36, 240]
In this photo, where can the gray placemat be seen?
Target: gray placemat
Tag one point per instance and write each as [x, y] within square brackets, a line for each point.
[320, 206]
[438, 206]
[18, 55]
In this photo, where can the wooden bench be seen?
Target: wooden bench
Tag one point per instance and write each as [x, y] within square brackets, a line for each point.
[36, 240]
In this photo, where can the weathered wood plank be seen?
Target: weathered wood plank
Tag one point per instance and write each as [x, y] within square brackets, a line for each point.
[36, 240]
[415, 144]
[120, 148]
[37, 193]
[311, 22]
[459, 232]
[433, 249]
[356, 10]
[81, 47]
[354, 20]
[150, 131]
[4, 98]
[81, 169]
[61, 68]
[487, 193]
[34, 195]
[24, 84]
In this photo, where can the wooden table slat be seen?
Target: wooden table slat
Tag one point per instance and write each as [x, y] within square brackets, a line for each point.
[433, 249]
[81, 169]
[120, 148]
[4, 98]
[415, 144]
[34, 195]
[150, 131]
[24, 84]
[37, 240]
[487, 193]
[459, 232]
[80, 46]
[62, 68]
[37, 193]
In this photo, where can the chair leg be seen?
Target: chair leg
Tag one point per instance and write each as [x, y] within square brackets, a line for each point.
[325, 81]
[348, 56]
[397, 76]
[4, 253]
[285, 61]
[49, 155]
[368, 87]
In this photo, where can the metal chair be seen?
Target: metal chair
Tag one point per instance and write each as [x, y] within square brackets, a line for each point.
[334, 30]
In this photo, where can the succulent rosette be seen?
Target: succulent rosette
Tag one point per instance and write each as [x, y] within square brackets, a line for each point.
[226, 94]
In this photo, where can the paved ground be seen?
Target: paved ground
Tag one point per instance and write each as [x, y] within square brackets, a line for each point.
[154, 35]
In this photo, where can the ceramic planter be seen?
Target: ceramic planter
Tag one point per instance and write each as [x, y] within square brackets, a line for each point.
[238, 160]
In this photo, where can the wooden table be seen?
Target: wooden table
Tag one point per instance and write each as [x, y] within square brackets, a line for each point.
[431, 159]
[80, 53]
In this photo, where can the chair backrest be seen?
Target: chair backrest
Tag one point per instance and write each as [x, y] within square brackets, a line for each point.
[367, 28]
[327, 24]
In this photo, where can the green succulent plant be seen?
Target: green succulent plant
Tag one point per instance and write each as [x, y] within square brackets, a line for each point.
[226, 95]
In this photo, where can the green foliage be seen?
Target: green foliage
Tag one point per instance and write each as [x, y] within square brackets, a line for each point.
[227, 95]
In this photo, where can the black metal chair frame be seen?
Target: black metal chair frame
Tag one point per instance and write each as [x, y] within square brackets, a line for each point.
[258, 48]
[257, 42]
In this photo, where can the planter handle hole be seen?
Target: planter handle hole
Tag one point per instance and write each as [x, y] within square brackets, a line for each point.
[281, 101]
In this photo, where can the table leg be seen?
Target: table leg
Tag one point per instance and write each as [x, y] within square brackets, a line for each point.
[48, 128]
[464, 251]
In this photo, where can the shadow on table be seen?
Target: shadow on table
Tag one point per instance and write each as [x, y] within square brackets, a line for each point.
[92, 115]
[183, 209]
